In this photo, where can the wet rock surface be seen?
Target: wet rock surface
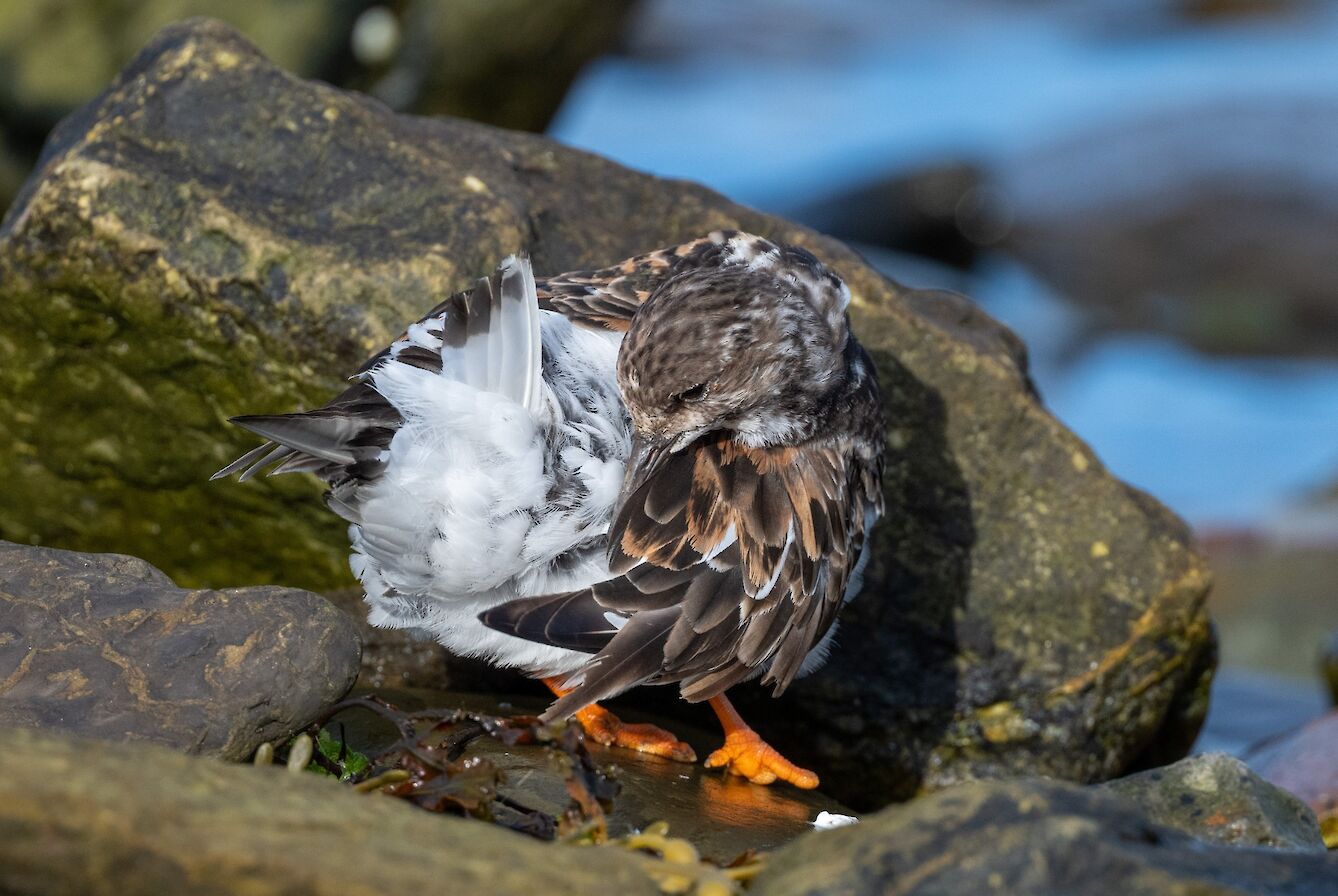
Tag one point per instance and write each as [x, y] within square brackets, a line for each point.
[1305, 762]
[723, 816]
[219, 237]
[1217, 798]
[77, 817]
[1032, 837]
[106, 646]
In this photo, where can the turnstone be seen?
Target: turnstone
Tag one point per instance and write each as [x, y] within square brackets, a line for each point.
[661, 472]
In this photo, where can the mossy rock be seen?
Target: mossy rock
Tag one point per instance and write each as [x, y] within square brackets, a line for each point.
[214, 236]
[82, 817]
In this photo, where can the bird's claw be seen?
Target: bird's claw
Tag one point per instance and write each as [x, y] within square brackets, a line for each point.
[747, 755]
[604, 727]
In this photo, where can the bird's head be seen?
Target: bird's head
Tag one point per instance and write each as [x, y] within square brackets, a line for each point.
[749, 342]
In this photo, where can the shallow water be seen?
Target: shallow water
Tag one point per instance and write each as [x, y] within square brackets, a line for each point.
[1248, 707]
[778, 104]
[723, 815]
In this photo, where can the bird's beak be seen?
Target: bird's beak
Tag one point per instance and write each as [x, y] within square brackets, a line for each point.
[647, 456]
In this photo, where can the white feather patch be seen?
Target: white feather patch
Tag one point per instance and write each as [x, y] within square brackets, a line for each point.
[485, 499]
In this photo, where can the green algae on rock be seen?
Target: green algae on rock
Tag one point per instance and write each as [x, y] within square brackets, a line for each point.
[106, 646]
[214, 236]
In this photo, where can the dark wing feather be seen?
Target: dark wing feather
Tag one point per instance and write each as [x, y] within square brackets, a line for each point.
[340, 439]
[573, 620]
[608, 297]
[731, 551]
[633, 656]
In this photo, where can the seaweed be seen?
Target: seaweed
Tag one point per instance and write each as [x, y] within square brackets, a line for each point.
[427, 765]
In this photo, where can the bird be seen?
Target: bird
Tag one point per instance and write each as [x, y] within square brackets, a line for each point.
[661, 472]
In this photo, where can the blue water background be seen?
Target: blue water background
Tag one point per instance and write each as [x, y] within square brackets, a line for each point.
[778, 104]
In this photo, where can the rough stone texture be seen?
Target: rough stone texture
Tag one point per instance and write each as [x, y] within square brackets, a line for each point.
[1305, 762]
[106, 646]
[1032, 838]
[127, 820]
[214, 236]
[1215, 797]
[506, 62]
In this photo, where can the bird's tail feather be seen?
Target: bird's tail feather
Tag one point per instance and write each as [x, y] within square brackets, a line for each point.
[574, 620]
[633, 657]
[491, 340]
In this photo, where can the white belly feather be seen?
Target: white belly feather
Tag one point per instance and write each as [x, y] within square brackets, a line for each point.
[484, 500]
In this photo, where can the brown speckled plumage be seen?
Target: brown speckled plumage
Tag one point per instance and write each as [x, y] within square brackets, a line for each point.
[478, 460]
[754, 477]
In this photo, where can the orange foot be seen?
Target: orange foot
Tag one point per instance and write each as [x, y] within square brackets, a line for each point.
[747, 755]
[604, 727]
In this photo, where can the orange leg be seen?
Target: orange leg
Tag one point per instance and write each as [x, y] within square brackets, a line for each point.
[604, 727]
[746, 754]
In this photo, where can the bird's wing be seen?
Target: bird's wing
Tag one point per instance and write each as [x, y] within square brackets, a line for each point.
[608, 297]
[320, 441]
[731, 560]
[486, 337]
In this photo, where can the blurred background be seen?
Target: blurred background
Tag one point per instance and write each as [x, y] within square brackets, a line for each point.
[1145, 190]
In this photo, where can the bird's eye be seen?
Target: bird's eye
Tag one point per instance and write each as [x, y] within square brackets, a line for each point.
[696, 393]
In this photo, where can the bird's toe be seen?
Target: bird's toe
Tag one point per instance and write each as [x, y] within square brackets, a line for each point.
[747, 755]
[606, 728]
